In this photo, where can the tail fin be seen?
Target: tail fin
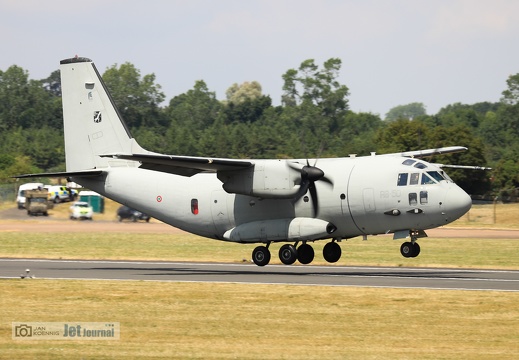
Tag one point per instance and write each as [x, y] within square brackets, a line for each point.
[92, 124]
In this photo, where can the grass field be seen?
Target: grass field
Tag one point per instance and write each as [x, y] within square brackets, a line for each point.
[239, 321]
[378, 250]
[226, 321]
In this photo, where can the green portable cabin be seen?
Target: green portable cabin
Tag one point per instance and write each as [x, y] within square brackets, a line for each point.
[93, 199]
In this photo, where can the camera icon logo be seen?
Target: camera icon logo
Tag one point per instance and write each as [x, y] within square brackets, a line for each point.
[23, 330]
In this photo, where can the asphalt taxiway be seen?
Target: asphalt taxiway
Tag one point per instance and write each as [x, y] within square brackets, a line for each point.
[382, 277]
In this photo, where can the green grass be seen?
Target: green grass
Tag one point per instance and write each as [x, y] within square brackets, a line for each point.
[231, 321]
[380, 250]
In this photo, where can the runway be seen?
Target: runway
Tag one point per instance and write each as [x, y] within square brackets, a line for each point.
[376, 277]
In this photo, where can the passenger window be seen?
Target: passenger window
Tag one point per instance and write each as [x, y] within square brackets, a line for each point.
[424, 197]
[402, 179]
[194, 206]
[414, 179]
[413, 199]
[426, 180]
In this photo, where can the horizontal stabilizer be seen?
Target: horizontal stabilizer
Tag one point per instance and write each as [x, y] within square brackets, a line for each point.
[182, 165]
[85, 173]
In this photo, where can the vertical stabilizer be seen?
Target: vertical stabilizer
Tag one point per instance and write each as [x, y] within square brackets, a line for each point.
[92, 124]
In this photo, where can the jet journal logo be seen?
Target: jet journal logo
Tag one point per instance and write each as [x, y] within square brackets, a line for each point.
[66, 330]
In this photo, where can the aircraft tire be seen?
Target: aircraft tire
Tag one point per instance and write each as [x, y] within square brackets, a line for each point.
[332, 252]
[288, 254]
[407, 249]
[416, 249]
[261, 255]
[305, 254]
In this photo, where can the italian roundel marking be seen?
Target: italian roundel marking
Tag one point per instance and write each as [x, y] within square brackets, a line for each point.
[159, 198]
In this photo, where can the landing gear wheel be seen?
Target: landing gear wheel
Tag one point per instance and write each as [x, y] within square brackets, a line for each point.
[409, 249]
[288, 254]
[332, 252]
[261, 256]
[305, 254]
[416, 250]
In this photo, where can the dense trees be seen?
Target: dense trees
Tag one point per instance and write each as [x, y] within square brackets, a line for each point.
[313, 120]
[410, 111]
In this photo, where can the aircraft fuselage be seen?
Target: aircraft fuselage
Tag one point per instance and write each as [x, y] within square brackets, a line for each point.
[369, 195]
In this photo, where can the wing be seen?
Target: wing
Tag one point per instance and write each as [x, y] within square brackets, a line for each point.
[182, 165]
[430, 152]
[64, 174]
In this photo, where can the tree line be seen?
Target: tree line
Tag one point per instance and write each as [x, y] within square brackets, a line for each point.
[313, 120]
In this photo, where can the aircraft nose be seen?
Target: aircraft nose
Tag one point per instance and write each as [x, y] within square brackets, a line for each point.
[457, 203]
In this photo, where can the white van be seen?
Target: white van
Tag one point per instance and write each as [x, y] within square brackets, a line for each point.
[20, 197]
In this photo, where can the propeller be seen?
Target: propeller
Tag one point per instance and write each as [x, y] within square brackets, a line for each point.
[309, 175]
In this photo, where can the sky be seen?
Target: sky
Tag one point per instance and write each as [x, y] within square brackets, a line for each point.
[393, 52]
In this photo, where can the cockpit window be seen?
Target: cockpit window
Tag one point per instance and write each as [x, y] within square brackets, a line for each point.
[420, 165]
[414, 179]
[402, 179]
[447, 177]
[436, 175]
[409, 162]
[426, 180]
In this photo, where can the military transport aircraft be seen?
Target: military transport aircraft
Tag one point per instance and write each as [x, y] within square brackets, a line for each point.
[253, 201]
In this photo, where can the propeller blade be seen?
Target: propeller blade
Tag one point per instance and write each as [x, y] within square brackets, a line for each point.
[313, 196]
[309, 175]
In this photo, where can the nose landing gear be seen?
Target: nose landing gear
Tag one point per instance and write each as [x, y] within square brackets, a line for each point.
[410, 249]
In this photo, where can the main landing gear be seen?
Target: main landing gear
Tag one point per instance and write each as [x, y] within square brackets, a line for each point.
[288, 253]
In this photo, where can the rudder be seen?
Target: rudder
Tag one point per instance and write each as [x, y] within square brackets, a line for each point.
[92, 124]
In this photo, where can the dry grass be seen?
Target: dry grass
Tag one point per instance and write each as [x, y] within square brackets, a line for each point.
[492, 216]
[240, 321]
[224, 321]
[380, 250]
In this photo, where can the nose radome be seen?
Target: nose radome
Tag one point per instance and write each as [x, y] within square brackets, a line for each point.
[457, 202]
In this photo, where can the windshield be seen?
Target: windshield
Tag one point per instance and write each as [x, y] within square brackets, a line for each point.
[436, 175]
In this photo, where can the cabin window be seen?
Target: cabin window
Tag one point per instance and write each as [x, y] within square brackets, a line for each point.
[424, 197]
[414, 178]
[194, 206]
[402, 179]
[409, 162]
[413, 199]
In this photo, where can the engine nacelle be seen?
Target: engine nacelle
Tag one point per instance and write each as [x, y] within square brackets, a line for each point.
[267, 179]
[296, 229]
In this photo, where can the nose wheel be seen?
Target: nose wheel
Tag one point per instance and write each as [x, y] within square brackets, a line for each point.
[410, 249]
